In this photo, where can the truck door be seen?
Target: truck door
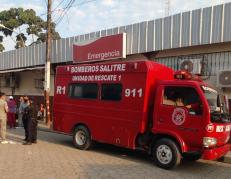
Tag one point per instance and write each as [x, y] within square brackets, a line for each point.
[180, 111]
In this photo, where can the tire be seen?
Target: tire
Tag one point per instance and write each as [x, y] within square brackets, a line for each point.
[221, 159]
[191, 157]
[82, 138]
[166, 153]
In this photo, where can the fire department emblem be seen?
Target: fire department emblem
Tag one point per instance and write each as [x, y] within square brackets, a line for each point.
[178, 116]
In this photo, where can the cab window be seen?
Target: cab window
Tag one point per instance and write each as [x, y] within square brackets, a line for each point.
[183, 97]
[88, 91]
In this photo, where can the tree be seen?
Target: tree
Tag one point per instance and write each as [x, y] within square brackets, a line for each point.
[16, 18]
[2, 48]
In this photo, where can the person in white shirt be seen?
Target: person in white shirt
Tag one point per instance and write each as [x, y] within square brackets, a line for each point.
[3, 118]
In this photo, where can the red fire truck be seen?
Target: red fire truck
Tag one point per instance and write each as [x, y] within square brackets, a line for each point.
[142, 105]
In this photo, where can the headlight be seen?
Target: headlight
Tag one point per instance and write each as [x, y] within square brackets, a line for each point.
[209, 142]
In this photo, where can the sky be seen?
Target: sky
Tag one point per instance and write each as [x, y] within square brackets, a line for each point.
[92, 15]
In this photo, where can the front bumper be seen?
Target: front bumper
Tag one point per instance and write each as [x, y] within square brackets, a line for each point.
[216, 153]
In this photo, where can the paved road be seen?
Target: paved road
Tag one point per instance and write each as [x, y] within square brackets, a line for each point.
[54, 157]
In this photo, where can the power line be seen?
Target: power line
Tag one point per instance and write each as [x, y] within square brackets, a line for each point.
[61, 2]
[46, 2]
[56, 9]
[66, 9]
[83, 3]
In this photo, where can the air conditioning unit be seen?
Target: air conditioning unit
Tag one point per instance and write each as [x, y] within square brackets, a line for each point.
[224, 79]
[193, 66]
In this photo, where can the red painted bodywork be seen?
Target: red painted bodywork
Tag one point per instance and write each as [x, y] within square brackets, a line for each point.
[120, 122]
[216, 153]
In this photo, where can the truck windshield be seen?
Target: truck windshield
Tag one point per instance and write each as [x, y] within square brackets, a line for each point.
[218, 105]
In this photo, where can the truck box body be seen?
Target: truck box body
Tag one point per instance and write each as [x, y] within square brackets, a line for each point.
[116, 121]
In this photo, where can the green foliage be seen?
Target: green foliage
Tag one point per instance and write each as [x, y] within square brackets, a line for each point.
[2, 48]
[36, 26]
[20, 40]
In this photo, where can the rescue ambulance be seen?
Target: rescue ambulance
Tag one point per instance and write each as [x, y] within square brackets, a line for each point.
[142, 105]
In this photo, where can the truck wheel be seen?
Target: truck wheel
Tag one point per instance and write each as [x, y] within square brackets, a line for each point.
[166, 154]
[82, 138]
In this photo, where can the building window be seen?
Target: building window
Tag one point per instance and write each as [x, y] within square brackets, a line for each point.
[111, 92]
[88, 91]
[39, 83]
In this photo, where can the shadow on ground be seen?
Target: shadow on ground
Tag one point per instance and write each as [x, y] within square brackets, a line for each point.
[17, 135]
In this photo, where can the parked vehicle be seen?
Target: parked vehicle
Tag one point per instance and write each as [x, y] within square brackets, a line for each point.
[142, 105]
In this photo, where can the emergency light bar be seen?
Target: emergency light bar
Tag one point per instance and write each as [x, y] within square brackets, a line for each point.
[184, 75]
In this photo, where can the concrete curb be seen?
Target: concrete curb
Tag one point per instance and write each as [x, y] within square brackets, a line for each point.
[43, 127]
[47, 130]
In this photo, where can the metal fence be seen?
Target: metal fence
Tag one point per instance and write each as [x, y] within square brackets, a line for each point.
[197, 27]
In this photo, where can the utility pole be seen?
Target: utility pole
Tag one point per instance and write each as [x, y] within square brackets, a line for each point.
[48, 65]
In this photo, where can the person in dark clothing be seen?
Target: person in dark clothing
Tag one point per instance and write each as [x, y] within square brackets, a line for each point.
[22, 107]
[32, 123]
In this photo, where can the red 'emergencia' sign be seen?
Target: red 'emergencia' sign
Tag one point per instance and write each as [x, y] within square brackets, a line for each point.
[102, 48]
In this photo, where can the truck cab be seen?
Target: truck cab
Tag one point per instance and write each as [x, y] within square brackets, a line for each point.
[192, 114]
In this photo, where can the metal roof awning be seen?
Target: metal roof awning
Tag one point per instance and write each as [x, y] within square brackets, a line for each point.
[22, 69]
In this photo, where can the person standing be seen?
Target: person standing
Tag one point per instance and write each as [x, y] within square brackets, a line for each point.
[23, 106]
[11, 112]
[32, 123]
[40, 114]
[3, 117]
[20, 112]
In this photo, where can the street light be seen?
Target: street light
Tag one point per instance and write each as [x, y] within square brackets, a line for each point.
[2, 26]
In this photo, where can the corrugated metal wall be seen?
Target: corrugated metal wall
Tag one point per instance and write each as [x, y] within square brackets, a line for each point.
[198, 27]
[214, 61]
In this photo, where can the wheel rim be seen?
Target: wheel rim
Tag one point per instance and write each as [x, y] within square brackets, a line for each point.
[164, 154]
[80, 137]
